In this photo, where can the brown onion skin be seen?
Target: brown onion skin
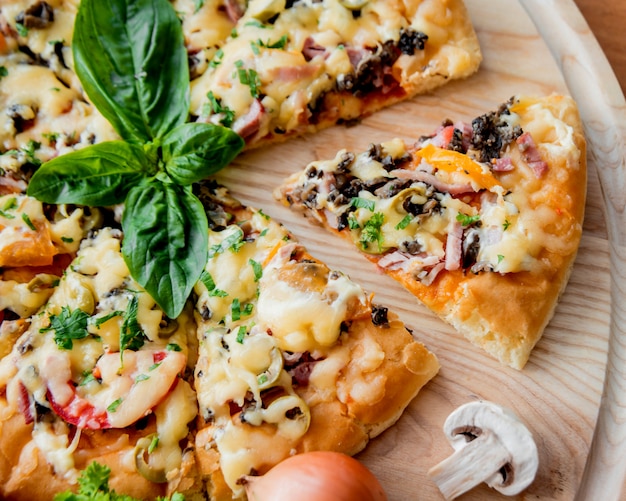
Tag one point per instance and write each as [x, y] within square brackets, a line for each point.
[316, 476]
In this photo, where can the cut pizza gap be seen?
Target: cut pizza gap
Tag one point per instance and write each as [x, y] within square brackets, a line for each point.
[481, 221]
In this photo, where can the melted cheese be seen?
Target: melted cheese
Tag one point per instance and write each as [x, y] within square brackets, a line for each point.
[293, 307]
[517, 219]
[125, 387]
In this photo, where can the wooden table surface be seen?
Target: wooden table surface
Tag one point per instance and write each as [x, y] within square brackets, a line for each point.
[607, 19]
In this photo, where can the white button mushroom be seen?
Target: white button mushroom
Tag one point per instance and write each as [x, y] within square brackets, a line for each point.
[491, 445]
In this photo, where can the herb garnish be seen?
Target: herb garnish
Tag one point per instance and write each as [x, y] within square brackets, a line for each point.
[209, 283]
[406, 220]
[215, 107]
[68, 326]
[28, 221]
[114, 405]
[466, 220]
[132, 336]
[257, 268]
[363, 203]
[93, 485]
[372, 231]
[131, 60]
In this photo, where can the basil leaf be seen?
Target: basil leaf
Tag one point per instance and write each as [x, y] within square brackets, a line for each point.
[165, 241]
[194, 151]
[98, 175]
[130, 58]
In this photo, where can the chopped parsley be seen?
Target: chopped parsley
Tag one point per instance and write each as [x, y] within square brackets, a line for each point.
[363, 203]
[258, 24]
[114, 405]
[236, 312]
[248, 77]
[21, 29]
[28, 221]
[30, 149]
[232, 242]
[241, 334]
[68, 325]
[197, 5]
[209, 283]
[141, 377]
[257, 268]
[500, 258]
[88, 377]
[353, 223]
[406, 220]
[10, 204]
[466, 220]
[93, 485]
[217, 58]
[279, 44]
[371, 231]
[173, 347]
[98, 321]
[132, 336]
[3, 72]
[67, 240]
[52, 137]
[153, 444]
[214, 107]
[505, 225]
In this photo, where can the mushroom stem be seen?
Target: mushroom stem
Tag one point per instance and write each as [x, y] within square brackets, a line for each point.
[492, 445]
[466, 468]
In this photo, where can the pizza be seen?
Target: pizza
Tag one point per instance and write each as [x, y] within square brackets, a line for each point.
[293, 356]
[246, 376]
[481, 221]
[268, 70]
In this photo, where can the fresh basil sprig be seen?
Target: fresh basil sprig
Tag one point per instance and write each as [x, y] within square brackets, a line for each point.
[130, 58]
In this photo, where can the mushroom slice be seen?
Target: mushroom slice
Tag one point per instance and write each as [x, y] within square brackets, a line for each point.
[491, 445]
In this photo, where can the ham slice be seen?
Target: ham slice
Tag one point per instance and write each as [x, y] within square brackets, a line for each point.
[428, 178]
[247, 125]
[531, 154]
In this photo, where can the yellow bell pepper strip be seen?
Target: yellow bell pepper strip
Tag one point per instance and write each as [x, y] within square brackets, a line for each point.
[455, 162]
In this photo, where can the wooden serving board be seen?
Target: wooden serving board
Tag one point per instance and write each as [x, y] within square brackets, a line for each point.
[530, 47]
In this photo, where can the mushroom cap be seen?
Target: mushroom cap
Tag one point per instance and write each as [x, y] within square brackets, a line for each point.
[471, 420]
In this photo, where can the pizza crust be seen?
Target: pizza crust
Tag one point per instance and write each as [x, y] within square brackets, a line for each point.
[21, 461]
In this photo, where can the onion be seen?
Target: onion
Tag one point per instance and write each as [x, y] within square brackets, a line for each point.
[316, 476]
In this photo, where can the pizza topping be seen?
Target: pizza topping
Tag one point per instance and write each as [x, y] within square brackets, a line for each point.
[531, 154]
[454, 201]
[99, 357]
[491, 445]
[37, 16]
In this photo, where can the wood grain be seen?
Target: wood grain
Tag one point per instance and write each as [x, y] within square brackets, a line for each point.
[585, 70]
[559, 393]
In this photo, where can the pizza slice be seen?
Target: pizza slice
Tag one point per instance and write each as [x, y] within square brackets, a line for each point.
[293, 356]
[480, 221]
[290, 68]
[99, 374]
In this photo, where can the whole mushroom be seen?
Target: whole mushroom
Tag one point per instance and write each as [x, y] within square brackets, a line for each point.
[491, 445]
